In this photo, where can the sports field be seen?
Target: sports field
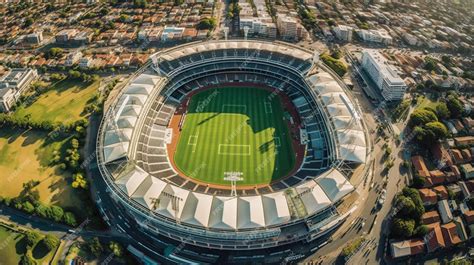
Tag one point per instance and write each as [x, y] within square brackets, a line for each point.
[238, 129]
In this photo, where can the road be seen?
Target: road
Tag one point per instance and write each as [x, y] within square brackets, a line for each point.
[373, 218]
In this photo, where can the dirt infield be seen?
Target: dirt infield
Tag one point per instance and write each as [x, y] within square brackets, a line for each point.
[293, 129]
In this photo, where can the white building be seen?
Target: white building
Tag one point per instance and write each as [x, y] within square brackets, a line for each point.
[378, 36]
[384, 75]
[343, 32]
[73, 58]
[13, 84]
[288, 27]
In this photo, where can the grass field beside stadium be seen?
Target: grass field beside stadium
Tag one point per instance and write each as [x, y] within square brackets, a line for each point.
[235, 129]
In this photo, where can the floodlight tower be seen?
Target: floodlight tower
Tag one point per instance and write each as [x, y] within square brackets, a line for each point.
[315, 58]
[226, 32]
[246, 32]
[233, 177]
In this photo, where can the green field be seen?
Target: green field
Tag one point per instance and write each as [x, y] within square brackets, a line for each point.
[13, 246]
[64, 102]
[235, 129]
[25, 156]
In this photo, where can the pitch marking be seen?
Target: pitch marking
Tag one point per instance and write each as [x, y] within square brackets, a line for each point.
[277, 141]
[247, 148]
[192, 140]
[268, 107]
[233, 106]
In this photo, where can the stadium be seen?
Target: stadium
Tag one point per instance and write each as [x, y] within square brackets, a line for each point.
[235, 146]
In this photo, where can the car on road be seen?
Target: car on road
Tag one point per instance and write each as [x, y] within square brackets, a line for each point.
[381, 200]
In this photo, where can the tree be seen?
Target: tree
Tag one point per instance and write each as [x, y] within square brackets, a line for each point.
[455, 106]
[28, 207]
[74, 74]
[414, 195]
[95, 247]
[402, 228]
[32, 237]
[431, 132]
[54, 53]
[421, 117]
[79, 181]
[56, 213]
[56, 77]
[69, 219]
[27, 260]
[406, 205]
[50, 242]
[337, 66]
[430, 64]
[116, 248]
[442, 111]
[420, 231]
[140, 3]
[207, 24]
[418, 182]
[28, 22]
[43, 211]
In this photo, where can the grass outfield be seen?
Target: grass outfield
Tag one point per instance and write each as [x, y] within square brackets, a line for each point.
[235, 129]
[64, 102]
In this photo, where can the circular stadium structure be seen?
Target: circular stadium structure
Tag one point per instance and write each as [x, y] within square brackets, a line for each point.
[233, 145]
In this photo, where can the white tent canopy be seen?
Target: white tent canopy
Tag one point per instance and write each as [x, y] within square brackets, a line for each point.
[197, 209]
[130, 181]
[275, 208]
[250, 212]
[335, 185]
[313, 197]
[224, 213]
[149, 191]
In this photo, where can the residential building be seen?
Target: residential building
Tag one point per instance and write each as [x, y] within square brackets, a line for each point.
[13, 84]
[343, 32]
[430, 218]
[72, 58]
[468, 171]
[384, 75]
[420, 166]
[34, 38]
[445, 211]
[378, 36]
[434, 238]
[407, 248]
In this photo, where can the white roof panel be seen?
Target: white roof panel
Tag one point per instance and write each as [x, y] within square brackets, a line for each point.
[197, 209]
[115, 151]
[130, 181]
[313, 197]
[275, 208]
[172, 201]
[335, 185]
[149, 191]
[250, 212]
[224, 213]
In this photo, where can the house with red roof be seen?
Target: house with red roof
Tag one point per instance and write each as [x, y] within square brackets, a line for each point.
[434, 238]
[430, 217]
[428, 196]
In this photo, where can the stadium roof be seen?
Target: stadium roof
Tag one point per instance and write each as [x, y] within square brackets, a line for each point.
[351, 144]
[277, 47]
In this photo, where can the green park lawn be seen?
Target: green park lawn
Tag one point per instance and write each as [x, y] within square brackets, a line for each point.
[64, 102]
[25, 156]
[13, 246]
